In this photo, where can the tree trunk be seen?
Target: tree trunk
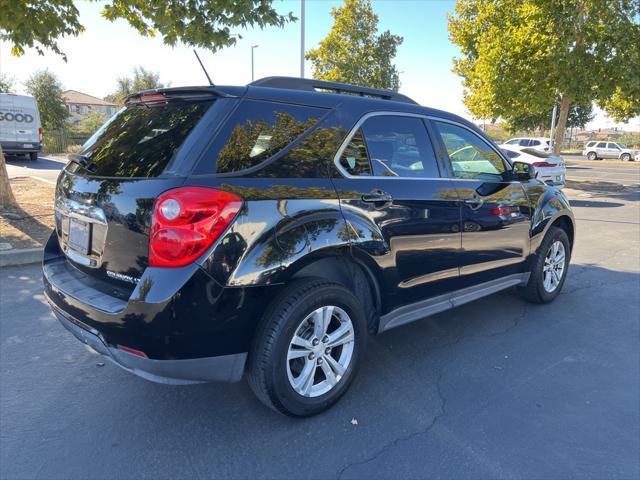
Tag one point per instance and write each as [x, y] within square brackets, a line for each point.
[6, 195]
[562, 124]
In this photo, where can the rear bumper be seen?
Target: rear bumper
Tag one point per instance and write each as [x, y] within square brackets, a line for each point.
[21, 147]
[225, 368]
[553, 176]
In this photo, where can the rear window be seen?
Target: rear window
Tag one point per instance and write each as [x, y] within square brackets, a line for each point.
[255, 132]
[141, 139]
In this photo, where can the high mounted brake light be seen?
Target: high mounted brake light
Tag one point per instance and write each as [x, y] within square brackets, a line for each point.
[186, 221]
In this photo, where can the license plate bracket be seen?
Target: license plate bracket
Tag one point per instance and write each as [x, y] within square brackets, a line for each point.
[79, 236]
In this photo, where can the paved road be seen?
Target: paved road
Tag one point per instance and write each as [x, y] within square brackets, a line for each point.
[45, 168]
[495, 389]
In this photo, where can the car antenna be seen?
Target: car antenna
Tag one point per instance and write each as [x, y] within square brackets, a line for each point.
[203, 69]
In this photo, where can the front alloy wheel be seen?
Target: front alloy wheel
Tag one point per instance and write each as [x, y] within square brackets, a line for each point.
[554, 266]
[320, 351]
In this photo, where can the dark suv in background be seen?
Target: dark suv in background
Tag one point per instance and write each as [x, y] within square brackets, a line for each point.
[211, 231]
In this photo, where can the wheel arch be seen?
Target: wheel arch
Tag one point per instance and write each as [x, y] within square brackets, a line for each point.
[344, 269]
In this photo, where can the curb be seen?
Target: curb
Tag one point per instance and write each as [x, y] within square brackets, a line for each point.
[22, 256]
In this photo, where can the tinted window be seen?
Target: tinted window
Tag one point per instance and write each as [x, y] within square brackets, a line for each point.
[534, 143]
[471, 157]
[255, 132]
[399, 147]
[602, 145]
[513, 142]
[525, 142]
[354, 159]
[141, 139]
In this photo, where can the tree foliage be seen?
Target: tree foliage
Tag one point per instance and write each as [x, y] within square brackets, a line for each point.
[578, 117]
[353, 52]
[519, 56]
[142, 79]
[202, 23]
[7, 82]
[45, 87]
[91, 122]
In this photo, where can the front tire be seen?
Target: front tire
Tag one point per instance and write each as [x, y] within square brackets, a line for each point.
[625, 157]
[549, 268]
[307, 348]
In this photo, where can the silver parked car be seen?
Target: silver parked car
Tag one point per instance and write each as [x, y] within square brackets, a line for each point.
[595, 150]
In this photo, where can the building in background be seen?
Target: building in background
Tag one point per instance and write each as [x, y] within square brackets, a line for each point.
[80, 105]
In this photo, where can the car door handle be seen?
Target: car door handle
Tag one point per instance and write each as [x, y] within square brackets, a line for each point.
[377, 197]
[474, 203]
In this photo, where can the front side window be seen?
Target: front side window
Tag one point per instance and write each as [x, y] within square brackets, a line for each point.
[257, 131]
[614, 146]
[470, 156]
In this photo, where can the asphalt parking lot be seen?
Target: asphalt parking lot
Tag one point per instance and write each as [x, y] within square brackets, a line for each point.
[494, 389]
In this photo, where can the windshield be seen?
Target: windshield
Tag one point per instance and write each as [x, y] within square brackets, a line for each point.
[141, 139]
[621, 145]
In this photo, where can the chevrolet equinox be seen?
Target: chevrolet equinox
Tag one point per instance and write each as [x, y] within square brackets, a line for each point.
[205, 233]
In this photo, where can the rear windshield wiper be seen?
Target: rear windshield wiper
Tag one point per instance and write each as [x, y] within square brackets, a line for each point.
[83, 161]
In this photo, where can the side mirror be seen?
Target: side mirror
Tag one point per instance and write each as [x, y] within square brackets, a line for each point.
[524, 171]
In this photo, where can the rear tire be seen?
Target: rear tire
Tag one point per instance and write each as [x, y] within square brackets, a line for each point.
[548, 273]
[592, 156]
[297, 368]
[33, 156]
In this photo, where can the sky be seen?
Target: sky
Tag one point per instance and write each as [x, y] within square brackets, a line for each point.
[106, 51]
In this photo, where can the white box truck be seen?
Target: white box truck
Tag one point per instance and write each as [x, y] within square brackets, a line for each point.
[20, 128]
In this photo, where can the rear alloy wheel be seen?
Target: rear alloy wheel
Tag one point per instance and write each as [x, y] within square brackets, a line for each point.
[307, 348]
[549, 267]
[592, 156]
[320, 351]
[625, 157]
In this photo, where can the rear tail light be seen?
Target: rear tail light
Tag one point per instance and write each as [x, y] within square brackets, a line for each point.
[543, 164]
[500, 211]
[186, 222]
[40, 134]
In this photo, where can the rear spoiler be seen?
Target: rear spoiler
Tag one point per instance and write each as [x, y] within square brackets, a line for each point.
[163, 95]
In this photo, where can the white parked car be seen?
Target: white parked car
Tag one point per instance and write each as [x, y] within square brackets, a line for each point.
[551, 169]
[20, 129]
[542, 144]
[596, 149]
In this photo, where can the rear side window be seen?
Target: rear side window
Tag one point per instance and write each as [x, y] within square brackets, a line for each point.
[525, 142]
[255, 132]
[140, 140]
[534, 143]
[602, 145]
[391, 146]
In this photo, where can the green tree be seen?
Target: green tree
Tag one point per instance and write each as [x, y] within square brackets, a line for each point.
[578, 117]
[7, 82]
[142, 79]
[207, 24]
[519, 56]
[45, 87]
[91, 123]
[353, 52]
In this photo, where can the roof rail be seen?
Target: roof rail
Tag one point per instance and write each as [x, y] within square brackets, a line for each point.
[310, 84]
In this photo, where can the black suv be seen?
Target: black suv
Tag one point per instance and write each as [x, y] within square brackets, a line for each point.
[206, 232]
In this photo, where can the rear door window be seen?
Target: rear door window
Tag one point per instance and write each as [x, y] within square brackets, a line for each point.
[255, 132]
[141, 139]
[602, 145]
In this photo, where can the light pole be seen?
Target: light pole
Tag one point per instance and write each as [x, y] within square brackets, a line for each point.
[252, 47]
[301, 38]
